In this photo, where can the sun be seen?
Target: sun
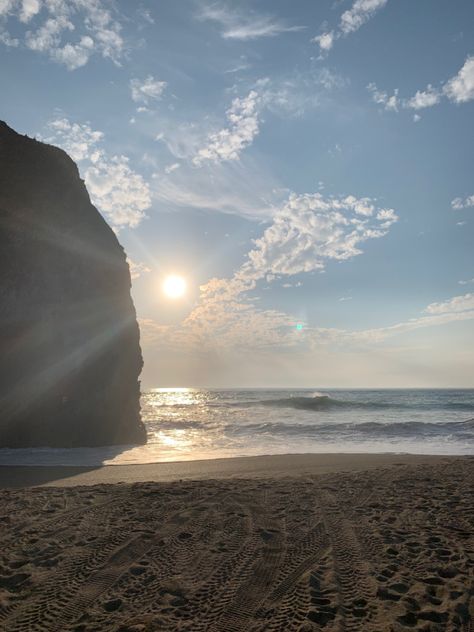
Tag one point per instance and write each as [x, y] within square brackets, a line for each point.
[174, 286]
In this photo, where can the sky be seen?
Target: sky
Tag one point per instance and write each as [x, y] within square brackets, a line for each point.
[306, 167]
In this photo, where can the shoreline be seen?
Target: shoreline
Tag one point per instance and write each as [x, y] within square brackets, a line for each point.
[245, 467]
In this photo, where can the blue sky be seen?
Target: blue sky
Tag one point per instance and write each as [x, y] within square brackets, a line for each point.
[298, 163]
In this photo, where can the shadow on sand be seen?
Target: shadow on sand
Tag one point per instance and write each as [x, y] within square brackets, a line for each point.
[21, 468]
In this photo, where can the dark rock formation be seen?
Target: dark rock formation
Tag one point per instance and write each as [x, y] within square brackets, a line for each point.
[69, 341]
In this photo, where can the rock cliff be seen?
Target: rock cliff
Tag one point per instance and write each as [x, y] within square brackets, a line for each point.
[70, 356]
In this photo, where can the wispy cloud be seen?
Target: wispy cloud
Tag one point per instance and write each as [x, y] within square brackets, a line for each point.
[393, 102]
[461, 203]
[306, 233]
[120, 193]
[458, 89]
[388, 101]
[238, 187]
[351, 20]
[282, 95]
[303, 235]
[147, 90]
[424, 99]
[360, 13]
[68, 31]
[137, 269]
[239, 25]
[227, 321]
[243, 126]
[172, 167]
[456, 304]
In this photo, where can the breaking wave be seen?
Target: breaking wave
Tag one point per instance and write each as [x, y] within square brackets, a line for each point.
[321, 402]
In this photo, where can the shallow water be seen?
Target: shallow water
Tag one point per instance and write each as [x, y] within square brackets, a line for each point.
[188, 424]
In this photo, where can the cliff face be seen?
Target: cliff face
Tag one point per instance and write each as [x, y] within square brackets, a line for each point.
[69, 341]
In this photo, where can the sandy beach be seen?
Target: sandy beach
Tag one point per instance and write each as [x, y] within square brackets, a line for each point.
[310, 542]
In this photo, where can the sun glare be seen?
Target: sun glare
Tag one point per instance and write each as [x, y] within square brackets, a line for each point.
[174, 286]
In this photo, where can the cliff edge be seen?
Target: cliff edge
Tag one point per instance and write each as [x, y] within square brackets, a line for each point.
[70, 355]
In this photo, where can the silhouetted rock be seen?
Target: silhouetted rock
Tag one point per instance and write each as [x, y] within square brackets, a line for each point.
[69, 341]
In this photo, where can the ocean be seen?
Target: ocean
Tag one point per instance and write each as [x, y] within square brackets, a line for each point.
[189, 424]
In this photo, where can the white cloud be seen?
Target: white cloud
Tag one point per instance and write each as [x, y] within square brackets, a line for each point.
[68, 31]
[389, 102]
[454, 305]
[223, 321]
[226, 321]
[460, 88]
[6, 40]
[79, 141]
[424, 99]
[150, 89]
[460, 203]
[310, 230]
[74, 55]
[236, 24]
[351, 20]
[120, 194]
[304, 234]
[227, 143]
[170, 168]
[29, 8]
[360, 13]
[466, 281]
[325, 41]
[137, 268]
[293, 95]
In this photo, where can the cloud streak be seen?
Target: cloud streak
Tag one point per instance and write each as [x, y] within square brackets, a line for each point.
[237, 25]
[458, 89]
[147, 90]
[291, 95]
[459, 203]
[351, 20]
[243, 126]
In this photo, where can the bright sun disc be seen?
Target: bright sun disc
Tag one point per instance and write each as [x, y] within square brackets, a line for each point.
[174, 286]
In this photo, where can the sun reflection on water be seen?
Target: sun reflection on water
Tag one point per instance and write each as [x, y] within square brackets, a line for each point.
[176, 439]
[178, 421]
[180, 396]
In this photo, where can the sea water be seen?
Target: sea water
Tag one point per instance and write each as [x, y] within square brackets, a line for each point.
[188, 424]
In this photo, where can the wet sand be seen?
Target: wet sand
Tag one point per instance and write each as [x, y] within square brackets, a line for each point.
[344, 542]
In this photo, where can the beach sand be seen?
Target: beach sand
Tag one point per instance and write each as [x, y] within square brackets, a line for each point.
[292, 543]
